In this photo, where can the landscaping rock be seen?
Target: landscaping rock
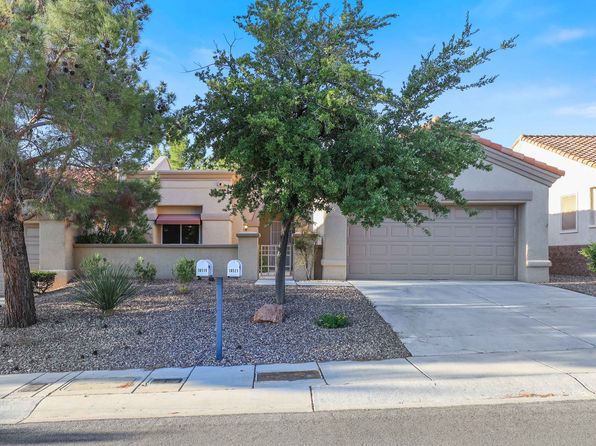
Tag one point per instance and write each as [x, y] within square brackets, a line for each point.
[271, 313]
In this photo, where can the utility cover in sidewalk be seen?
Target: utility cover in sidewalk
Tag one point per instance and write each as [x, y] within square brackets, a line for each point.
[34, 387]
[288, 376]
[166, 381]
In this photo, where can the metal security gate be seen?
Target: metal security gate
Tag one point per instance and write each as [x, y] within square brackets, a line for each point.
[268, 259]
[459, 247]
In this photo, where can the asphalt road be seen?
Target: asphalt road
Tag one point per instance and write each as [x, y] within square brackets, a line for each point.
[567, 423]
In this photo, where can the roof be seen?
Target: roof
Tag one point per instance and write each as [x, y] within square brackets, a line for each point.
[576, 147]
[527, 159]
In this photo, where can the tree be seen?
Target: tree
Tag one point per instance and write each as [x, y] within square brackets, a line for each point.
[71, 103]
[307, 124]
[177, 150]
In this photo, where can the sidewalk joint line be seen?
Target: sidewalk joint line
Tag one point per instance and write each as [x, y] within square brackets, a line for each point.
[187, 377]
[581, 383]
[312, 401]
[414, 365]
[321, 372]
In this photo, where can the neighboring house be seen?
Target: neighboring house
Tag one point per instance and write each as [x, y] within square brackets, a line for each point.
[572, 202]
[507, 240]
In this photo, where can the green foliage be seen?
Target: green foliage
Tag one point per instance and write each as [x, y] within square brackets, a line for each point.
[589, 252]
[93, 264]
[304, 247]
[145, 270]
[106, 288]
[135, 232]
[42, 281]
[333, 320]
[184, 273]
[306, 124]
[177, 152]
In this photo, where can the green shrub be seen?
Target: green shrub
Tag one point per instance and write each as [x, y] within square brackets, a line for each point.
[106, 288]
[333, 320]
[184, 272]
[93, 264]
[144, 270]
[589, 252]
[42, 281]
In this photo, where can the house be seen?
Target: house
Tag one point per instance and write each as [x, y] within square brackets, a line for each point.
[506, 240]
[572, 200]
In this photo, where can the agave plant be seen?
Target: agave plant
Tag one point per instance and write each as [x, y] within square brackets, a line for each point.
[107, 288]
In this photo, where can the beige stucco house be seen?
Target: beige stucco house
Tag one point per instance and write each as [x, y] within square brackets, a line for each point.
[506, 240]
[572, 199]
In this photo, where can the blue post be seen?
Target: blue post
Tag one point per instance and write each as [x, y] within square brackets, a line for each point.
[219, 320]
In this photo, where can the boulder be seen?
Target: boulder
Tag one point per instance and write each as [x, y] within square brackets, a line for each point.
[271, 313]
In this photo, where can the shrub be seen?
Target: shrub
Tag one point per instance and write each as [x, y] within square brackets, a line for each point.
[42, 281]
[304, 247]
[93, 264]
[184, 272]
[106, 288]
[589, 252]
[333, 320]
[144, 270]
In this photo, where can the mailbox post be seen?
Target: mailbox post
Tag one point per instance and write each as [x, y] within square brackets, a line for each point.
[219, 320]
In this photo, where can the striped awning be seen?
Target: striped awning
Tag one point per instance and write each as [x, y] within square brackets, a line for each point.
[178, 219]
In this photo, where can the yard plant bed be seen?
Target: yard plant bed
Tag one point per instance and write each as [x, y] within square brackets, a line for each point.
[581, 284]
[163, 328]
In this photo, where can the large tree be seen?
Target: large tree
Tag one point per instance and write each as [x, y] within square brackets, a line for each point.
[71, 103]
[306, 123]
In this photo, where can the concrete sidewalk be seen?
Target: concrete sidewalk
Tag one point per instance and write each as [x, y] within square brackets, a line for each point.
[413, 382]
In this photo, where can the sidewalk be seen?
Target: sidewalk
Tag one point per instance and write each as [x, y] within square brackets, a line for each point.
[413, 382]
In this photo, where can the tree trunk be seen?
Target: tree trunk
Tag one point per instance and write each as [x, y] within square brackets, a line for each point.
[280, 271]
[18, 290]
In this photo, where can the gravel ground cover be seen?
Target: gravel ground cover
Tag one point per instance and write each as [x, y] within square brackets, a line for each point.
[581, 284]
[162, 328]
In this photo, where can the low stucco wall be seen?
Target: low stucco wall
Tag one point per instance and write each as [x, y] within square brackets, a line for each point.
[162, 256]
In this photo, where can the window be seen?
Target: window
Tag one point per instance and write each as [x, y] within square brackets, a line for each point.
[569, 213]
[275, 233]
[180, 234]
[593, 206]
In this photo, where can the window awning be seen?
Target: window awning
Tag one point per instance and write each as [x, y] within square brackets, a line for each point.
[178, 219]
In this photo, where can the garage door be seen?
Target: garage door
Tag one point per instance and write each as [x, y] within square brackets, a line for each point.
[459, 247]
[32, 241]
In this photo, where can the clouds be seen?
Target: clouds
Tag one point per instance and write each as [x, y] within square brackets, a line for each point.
[586, 111]
[564, 35]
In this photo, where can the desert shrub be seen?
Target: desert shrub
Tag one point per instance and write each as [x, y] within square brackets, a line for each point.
[93, 264]
[106, 288]
[42, 281]
[589, 252]
[333, 320]
[304, 246]
[184, 272]
[145, 270]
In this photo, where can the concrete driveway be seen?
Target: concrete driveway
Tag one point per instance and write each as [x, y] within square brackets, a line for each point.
[450, 318]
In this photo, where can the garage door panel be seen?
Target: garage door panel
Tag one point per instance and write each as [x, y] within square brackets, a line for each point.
[460, 247]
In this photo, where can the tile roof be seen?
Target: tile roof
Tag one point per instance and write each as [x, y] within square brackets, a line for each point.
[534, 162]
[576, 147]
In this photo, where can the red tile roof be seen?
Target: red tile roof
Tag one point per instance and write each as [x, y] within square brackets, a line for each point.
[534, 162]
[576, 147]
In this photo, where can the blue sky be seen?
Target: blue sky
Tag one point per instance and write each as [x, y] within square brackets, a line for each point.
[546, 85]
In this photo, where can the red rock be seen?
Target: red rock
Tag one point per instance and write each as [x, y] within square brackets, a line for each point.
[272, 313]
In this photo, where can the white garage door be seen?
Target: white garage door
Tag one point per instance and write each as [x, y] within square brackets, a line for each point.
[482, 247]
[32, 241]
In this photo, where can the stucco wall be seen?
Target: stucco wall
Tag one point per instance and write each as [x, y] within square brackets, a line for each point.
[162, 256]
[578, 179]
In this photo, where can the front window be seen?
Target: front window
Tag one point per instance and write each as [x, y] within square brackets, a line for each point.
[593, 206]
[181, 234]
[569, 213]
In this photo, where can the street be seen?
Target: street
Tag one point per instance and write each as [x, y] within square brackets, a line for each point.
[564, 423]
